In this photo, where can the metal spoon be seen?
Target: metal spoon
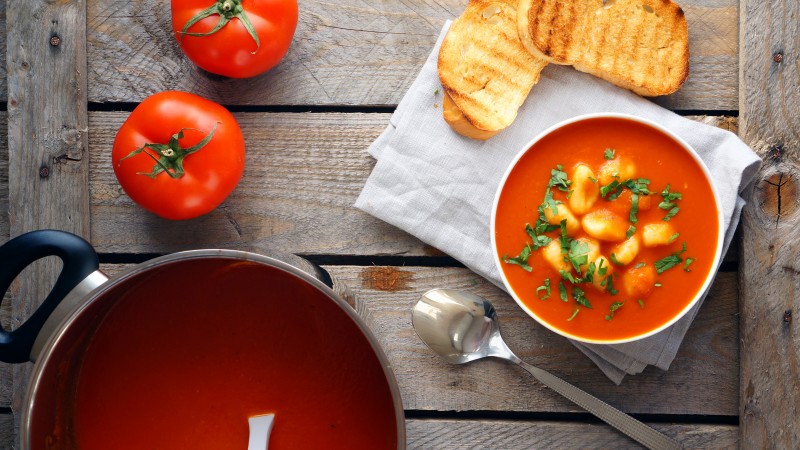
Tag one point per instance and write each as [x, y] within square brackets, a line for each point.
[462, 327]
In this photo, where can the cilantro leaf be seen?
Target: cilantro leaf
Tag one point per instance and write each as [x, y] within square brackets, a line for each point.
[613, 308]
[520, 260]
[629, 233]
[578, 254]
[634, 208]
[575, 313]
[614, 260]
[545, 287]
[687, 263]
[641, 303]
[609, 153]
[610, 187]
[562, 291]
[559, 179]
[670, 261]
[539, 240]
[580, 297]
[671, 214]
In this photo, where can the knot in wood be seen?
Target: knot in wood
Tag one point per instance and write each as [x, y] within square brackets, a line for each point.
[777, 195]
[55, 40]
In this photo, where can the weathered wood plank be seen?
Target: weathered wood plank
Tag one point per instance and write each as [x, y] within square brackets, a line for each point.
[703, 379]
[6, 432]
[770, 123]
[47, 127]
[497, 434]
[303, 173]
[351, 53]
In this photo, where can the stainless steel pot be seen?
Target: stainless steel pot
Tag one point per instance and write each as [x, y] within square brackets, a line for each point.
[55, 335]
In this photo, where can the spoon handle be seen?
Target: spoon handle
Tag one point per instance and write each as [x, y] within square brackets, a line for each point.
[637, 430]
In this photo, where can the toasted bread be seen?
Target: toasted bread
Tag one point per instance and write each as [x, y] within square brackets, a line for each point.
[485, 69]
[456, 119]
[641, 45]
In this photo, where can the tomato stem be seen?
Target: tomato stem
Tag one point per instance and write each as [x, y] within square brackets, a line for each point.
[226, 10]
[169, 157]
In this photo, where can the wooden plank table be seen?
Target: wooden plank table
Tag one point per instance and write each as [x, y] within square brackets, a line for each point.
[308, 123]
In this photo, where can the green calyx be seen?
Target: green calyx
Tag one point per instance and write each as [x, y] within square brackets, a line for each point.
[169, 157]
[227, 10]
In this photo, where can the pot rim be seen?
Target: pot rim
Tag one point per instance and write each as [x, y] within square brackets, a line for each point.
[239, 255]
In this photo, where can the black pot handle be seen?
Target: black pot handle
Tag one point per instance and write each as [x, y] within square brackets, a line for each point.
[79, 260]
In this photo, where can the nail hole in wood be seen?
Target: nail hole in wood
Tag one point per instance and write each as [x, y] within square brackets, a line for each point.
[55, 40]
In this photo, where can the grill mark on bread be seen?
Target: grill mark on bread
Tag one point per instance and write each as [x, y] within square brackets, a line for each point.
[624, 43]
[489, 81]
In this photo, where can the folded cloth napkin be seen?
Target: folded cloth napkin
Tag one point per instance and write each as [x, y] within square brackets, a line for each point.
[440, 186]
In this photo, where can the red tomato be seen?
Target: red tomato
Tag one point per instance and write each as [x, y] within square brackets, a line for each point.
[164, 127]
[233, 50]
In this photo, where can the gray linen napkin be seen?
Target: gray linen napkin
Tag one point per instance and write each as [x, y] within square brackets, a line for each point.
[440, 186]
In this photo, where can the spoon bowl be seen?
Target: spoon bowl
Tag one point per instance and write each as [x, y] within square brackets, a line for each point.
[462, 327]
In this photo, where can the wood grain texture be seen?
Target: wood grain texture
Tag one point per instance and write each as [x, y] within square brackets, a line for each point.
[47, 127]
[770, 262]
[702, 380]
[6, 431]
[303, 173]
[496, 434]
[351, 53]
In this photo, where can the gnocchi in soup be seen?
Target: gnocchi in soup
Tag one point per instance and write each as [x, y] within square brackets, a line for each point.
[606, 229]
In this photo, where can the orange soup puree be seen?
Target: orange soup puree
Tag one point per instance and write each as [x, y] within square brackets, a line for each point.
[644, 299]
[194, 349]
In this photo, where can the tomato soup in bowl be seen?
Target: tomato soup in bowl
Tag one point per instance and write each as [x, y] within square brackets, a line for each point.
[607, 228]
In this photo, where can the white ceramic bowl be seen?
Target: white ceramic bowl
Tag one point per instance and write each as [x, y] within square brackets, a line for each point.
[658, 129]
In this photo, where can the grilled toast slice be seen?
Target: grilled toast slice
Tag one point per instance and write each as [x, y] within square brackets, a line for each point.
[641, 45]
[485, 69]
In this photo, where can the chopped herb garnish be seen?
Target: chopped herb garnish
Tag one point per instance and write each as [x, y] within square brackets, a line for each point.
[580, 297]
[569, 194]
[634, 208]
[687, 263]
[610, 285]
[562, 291]
[593, 180]
[673, 237]
[670, 261]
[574, 313]
[600, 269]
[629, 233]
[559, 179]
[669, 198]
[609, 153]
[578, 254]
[436, 92]
[641, 303]
[539, 239]
[638, 186]
[615, 260]
[613, 308]
[546, 287]
[549, 202]
[605, 190]
[567, 275]
[669, 203]
[563, 238]
[657, 285]
[520, 260]
[671, 214]
[640, 265]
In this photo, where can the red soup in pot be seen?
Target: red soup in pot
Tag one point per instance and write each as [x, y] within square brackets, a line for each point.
[606, 229]
[193, 349]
